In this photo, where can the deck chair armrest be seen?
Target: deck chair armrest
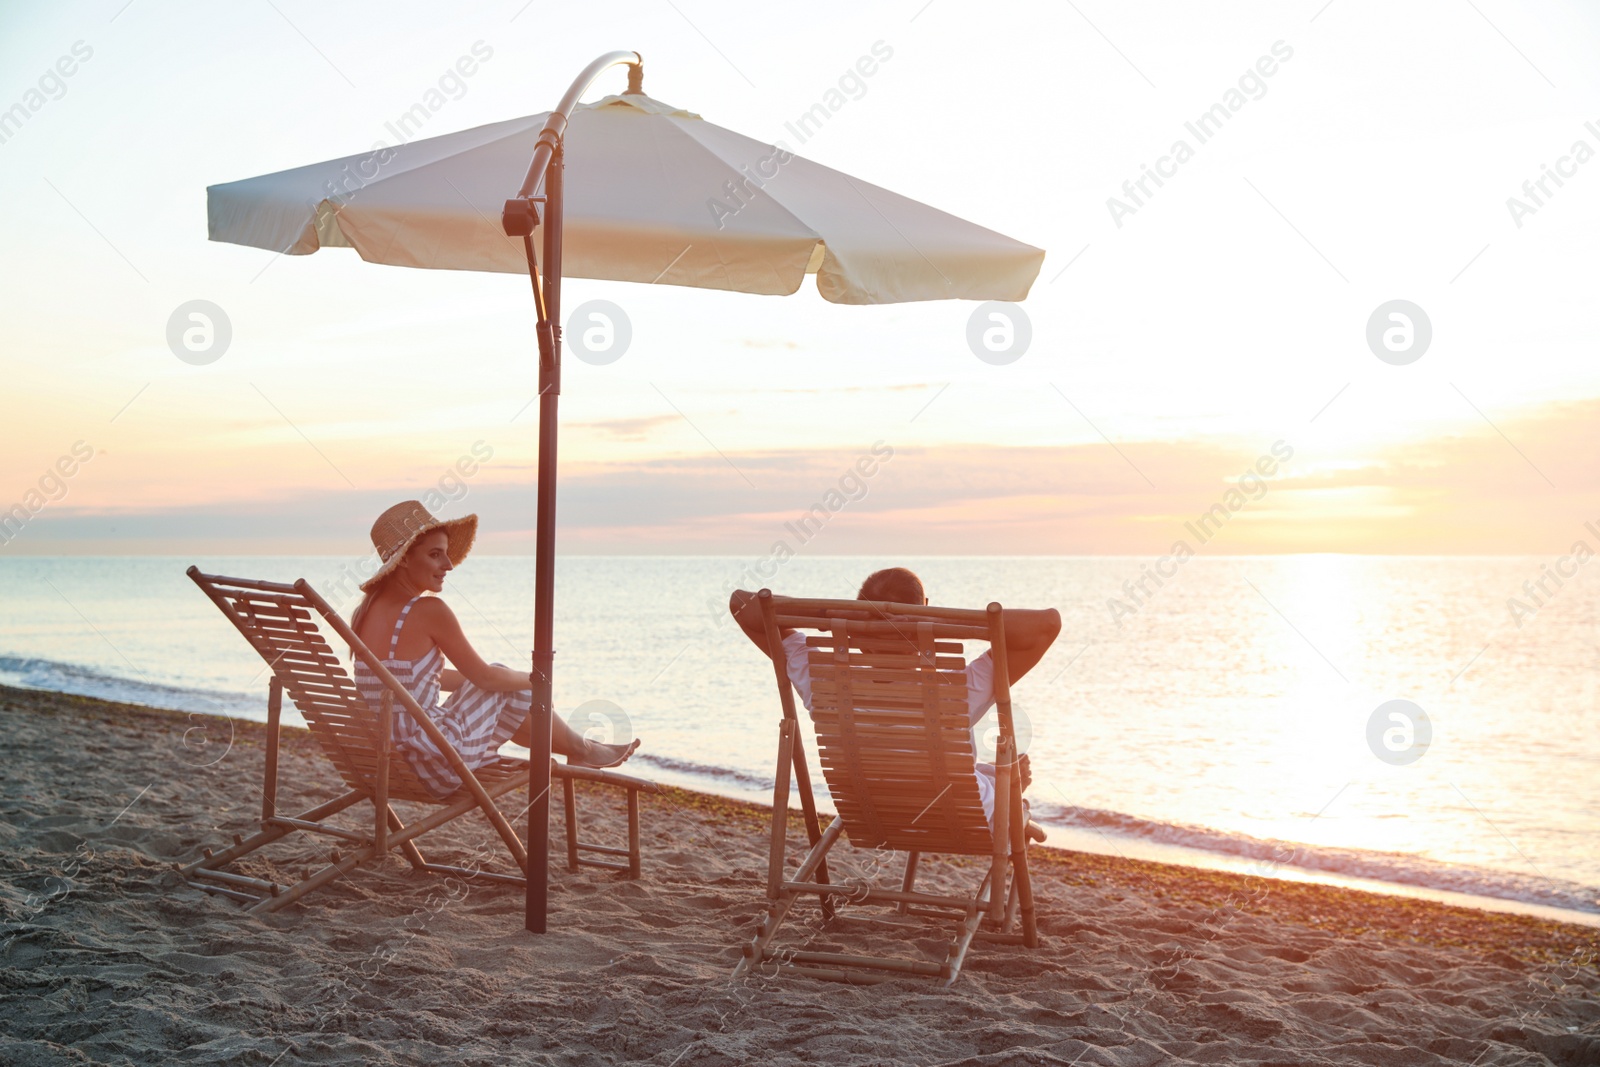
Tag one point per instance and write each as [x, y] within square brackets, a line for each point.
[588, 774]
[594, 774]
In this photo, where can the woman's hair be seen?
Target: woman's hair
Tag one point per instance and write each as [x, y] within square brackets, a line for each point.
[366, 603]
[894, 584]
[361, 609]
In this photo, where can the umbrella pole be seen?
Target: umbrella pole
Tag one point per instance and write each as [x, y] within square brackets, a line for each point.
[544, 589]
[520, 218]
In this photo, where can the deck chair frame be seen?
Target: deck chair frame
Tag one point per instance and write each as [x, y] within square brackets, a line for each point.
[857, 756]
[278, 620]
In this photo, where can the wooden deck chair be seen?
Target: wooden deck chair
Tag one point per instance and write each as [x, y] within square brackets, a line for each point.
[890, 712]
[278, 621]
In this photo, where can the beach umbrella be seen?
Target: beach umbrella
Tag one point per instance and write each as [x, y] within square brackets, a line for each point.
[625, 189]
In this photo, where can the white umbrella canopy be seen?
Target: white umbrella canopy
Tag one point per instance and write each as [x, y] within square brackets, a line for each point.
[653, 194]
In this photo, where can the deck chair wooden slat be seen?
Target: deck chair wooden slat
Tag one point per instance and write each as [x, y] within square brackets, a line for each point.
[280, 622]
[895, 747]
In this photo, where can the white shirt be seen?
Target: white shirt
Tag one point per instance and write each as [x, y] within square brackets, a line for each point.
[980, 698]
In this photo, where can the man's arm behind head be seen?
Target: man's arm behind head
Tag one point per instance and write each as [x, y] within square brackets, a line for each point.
[1029, 635]
[746, 611]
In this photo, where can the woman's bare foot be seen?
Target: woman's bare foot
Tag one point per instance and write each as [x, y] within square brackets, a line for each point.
[599, 755]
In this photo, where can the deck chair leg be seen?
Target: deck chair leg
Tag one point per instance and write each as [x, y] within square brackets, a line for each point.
[780, 811]
[269, 833]
[409, 848]
[519, 854]
[755, 949]
[629, 860]
[346, 863]
[969, 930]
[342, 866]
[569, 798]
[802, 771]
[1030, 929]
[1022, 882]
[808, 808]
[1004, 759]
[908, 881]
[634, 861]
[380, 791]
[269, 778]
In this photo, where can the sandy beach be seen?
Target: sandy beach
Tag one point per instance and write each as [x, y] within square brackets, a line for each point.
[1196, 400]
[108, 958]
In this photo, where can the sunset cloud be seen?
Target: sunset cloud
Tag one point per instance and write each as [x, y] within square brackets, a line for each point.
[1521, 488]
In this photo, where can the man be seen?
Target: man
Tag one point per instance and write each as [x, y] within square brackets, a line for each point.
[1029, 635]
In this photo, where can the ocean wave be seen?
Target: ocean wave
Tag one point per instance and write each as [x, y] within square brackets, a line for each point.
[31, 673]
[1394, 867]
[719, 775]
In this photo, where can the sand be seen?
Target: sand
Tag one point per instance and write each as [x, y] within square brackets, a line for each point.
[107, 958]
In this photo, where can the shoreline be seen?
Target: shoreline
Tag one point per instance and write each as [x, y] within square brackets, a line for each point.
[107, 957]
[1131, 872]
[1081, 840]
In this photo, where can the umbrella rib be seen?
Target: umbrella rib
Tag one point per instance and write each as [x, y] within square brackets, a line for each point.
[702, 433]
[492, 224]
[851, 182]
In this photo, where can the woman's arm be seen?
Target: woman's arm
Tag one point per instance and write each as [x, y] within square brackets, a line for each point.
[450, 680]
[445, 629]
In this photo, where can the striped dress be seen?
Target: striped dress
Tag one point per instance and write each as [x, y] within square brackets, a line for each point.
[475, 721]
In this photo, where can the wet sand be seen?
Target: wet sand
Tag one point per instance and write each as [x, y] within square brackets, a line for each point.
[106, 957]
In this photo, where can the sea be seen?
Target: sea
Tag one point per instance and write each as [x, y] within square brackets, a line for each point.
[1422, 726]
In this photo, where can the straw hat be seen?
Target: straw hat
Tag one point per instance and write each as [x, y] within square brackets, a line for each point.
[398, 529]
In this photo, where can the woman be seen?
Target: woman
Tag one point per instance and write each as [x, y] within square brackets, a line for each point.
[416, 633]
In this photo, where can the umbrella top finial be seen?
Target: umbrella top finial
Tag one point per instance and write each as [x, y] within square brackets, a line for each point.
[635, 78]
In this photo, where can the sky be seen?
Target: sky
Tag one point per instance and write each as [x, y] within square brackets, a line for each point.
[1180, 336]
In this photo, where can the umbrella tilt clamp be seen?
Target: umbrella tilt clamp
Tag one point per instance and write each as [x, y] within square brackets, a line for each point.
[520, 216]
